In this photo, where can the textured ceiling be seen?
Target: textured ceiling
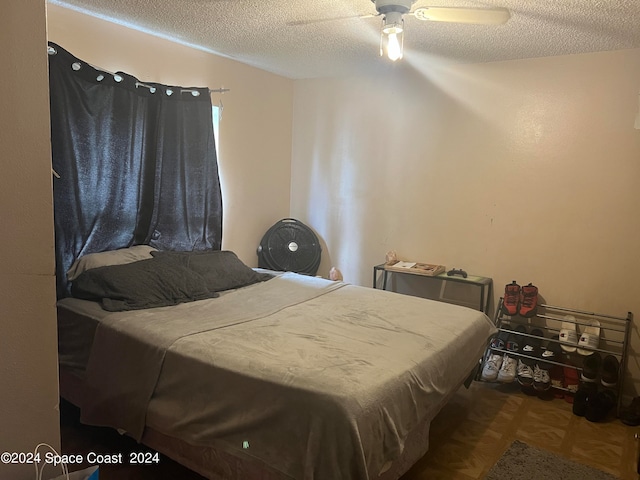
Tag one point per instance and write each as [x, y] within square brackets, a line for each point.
[265, 34]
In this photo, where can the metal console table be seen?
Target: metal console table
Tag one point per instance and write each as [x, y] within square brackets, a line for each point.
[485, 284]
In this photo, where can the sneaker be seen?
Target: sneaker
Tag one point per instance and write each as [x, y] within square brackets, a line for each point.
[515, 341]
[532, 347]
[524, 374]
[511, 299]
[528, 301]
[571, 382]
[491, 367]
[552, 350]
[610, 369]
[507, 373]
[556, 373]
[541, 379]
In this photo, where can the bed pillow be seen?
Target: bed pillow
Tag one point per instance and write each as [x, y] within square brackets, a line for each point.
[155, 282]
[221, 269]
[113, 257]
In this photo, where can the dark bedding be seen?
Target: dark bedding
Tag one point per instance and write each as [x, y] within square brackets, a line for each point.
[169, 278]
[156, 282]
[220, 269]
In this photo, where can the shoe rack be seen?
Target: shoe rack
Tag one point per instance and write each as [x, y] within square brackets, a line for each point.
[613, 339]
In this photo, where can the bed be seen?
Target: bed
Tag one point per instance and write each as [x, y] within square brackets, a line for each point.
[286, 377]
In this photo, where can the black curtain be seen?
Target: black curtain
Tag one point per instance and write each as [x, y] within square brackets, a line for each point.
[136, 161]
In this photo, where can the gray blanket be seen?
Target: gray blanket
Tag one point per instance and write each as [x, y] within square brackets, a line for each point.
[319, 380]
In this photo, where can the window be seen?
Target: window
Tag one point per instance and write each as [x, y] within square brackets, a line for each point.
[216, 125]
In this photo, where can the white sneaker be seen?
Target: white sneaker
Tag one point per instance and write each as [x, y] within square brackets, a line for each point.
[491, 367]
[525, 374]
[541, 379]
[507, 373]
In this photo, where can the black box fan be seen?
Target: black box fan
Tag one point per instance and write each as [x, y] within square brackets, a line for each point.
[290, 246]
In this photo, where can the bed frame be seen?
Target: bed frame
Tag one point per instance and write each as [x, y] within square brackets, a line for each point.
[217, 464]
[211, 454]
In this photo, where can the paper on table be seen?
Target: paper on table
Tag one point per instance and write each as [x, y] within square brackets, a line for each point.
[404, 264]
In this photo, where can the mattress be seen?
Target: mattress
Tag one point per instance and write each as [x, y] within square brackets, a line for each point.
[315, 379]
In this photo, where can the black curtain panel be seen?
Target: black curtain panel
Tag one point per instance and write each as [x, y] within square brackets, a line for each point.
[136, 162]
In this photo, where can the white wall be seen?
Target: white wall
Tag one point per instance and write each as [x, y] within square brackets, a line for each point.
[524, 170]
[28, 340]
[255, 131]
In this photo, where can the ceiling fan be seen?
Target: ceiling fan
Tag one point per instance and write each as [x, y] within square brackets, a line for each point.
[393, 11]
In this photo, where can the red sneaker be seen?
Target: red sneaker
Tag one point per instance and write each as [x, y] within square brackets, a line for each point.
[528, 301]
[571, 383]
[557, 380]
[511, 299]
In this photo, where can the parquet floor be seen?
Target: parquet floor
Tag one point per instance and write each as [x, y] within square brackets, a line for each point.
[473, 430]
[467, 438]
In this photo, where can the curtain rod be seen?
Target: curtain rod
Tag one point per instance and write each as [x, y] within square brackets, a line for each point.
[118, 78]
[194, 92]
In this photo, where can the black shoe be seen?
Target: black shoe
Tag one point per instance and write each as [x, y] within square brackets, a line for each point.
[631, 415]
[610, 369]
[580, 399]
[599, 405]
[590, 367]
[552, 352]
[532, 347]
[541, 378]
[586, 391]
[515, 341]
[524, 375]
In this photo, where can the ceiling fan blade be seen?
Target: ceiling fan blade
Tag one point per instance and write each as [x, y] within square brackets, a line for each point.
[482, 16]
[330, 19]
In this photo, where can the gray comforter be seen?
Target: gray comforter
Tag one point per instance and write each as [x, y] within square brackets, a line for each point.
[319, 380]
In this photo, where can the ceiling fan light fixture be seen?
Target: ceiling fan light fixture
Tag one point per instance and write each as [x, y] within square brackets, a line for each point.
[400, 7]
[391, 24]
[392, 32]
[393, 29]
[392, 37]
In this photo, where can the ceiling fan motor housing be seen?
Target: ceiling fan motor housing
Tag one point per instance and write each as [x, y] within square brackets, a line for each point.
[393, 6]
[290, 246]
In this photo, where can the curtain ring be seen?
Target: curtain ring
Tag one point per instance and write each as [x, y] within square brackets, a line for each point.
[51, 50]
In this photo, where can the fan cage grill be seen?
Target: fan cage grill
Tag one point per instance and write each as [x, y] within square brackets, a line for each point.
[290, 245]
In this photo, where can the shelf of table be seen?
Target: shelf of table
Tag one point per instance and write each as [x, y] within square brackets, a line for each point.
[484, 283]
